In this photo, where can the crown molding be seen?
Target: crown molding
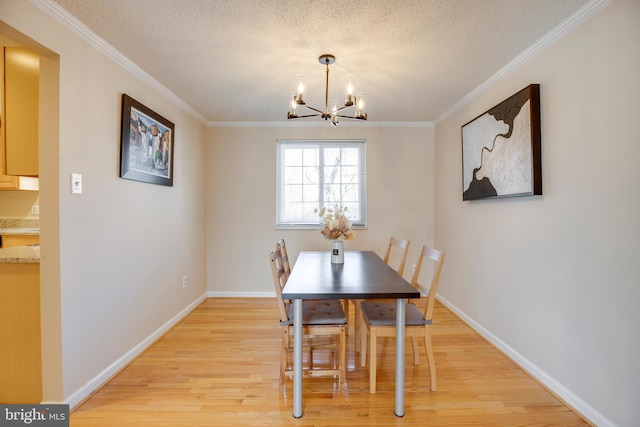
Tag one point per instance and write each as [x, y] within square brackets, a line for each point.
[55, 11]
[575, 20]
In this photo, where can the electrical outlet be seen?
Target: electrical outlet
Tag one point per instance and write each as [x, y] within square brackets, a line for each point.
[184, 281]
[35, 210]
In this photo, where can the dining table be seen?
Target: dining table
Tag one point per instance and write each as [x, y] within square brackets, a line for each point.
[363, 275]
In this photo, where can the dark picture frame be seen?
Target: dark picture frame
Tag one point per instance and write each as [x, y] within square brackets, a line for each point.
[146, 144]
[501, 149]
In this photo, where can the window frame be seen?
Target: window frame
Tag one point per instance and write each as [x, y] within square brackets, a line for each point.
[281, 144]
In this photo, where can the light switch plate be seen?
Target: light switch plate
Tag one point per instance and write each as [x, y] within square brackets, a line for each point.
[76, 183]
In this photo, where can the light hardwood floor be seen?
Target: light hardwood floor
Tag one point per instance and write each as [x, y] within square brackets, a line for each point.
[219, 367]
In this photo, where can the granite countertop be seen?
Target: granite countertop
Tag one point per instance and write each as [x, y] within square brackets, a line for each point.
[21, 231]
[21, 255]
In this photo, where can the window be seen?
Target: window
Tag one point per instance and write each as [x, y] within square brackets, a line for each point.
[313, 174]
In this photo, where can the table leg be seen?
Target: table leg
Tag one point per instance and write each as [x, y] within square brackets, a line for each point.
[297, 358]
[400, 323]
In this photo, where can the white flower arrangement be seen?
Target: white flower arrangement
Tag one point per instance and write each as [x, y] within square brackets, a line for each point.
[336, 224]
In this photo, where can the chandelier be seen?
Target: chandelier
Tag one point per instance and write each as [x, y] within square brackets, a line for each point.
[330, 115]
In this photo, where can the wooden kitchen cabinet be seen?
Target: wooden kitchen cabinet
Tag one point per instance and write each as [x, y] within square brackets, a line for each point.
[20, 352]
[19, 119]
[13, 240]
[19, 183]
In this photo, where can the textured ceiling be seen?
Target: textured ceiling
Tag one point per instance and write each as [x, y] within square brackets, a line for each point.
[239, 60]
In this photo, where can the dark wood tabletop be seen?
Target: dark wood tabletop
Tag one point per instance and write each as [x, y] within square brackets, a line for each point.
[364, 275]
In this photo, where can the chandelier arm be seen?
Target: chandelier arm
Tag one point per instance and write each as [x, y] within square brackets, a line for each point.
[306, 115]
[315, 109]
[350, 117]
[344, 107]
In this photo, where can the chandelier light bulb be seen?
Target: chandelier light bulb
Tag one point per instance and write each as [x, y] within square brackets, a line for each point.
[350, 99]
[298, 100]
[292, 107]
[360, 109]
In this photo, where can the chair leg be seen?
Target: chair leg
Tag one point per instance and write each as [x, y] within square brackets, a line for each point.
[284, 356]
[363, 342]
[345, 307]
[283, 364]
[431, 360]
[343, 357]
[416, 350]
[357, 322]
[373, 358]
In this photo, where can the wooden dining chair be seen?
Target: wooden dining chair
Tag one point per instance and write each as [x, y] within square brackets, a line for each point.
[379, 319]
[396, 257]
[280, 244]
[323, 326]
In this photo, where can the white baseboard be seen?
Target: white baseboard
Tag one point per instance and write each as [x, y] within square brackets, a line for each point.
[85, 391]
[556, 387]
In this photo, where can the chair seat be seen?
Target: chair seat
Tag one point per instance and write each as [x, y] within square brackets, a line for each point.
[319, 312]
[384, 314]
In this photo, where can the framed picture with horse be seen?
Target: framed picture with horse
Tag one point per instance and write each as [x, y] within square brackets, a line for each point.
[146, 144]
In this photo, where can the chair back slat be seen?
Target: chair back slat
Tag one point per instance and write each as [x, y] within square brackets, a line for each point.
[438, 258]
[285, 257]
[279, 280]
[400, 245]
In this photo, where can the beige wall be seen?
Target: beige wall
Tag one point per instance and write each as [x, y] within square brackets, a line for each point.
[112, 258]
[17, 204]
[554, 279]
[241, 203]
